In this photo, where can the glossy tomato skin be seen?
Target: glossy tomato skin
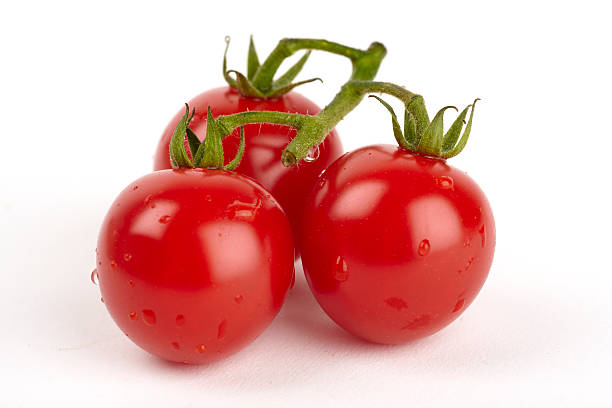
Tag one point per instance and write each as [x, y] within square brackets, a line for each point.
[264, 144]
[194, 264]
[396, 245]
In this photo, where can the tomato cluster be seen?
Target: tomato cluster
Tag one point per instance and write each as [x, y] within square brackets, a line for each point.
[194, 260]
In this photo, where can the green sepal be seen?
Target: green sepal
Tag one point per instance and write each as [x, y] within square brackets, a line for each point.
[231, 81]
[236, 160]
[190, 117]
[431, 141]
[194, 142]
[252, 60]
[453, 133]
[178, 154]
[416, 107]
[291, 73]
[410, 133]
[244, 86]
[276, 92]
[397, 131]
[210, 152]
[464, 138]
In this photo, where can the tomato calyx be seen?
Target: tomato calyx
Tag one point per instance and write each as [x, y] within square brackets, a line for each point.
[246, 85]
[425, 137]
[207, 154]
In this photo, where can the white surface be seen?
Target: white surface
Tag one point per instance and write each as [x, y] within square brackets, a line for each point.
[85, 91]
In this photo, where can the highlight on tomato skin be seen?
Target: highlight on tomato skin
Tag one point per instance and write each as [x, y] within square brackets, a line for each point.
[396, 245]
[263, 145]
[194, 264]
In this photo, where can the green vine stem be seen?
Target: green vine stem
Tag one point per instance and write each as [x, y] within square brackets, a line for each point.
[259, 81]
[313, 129]
[286, 47]
[420, 134]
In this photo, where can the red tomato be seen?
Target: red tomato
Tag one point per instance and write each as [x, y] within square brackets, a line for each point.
[396, 245]
[194, 264]
[264, 144]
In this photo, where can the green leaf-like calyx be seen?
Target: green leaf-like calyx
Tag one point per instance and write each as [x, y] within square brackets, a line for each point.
[244, 84]
[426, 137]
[207, 154]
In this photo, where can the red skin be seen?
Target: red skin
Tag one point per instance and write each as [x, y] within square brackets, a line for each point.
[396, 245]
[208, 252]
[264, 144]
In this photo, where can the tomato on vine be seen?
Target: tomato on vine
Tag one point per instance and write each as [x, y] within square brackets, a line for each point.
[194, 263]
[397, 243]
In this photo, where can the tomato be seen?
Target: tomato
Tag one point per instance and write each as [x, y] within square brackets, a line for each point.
[396, 245]
[194, 264]
[264, 144]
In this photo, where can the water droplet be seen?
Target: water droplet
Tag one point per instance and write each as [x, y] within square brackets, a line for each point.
[396, 303]
[94, 277]
[208, 198]
[445, 182]
[133, 316]
[148, 199]
[341, 270]
[153, 205]
[164, 219]
[131, 283]
[424, 247]
[175, 345]
[102, 299]
[222, 330]
[113, 264]
[99, 263]
[313, 154]
[244, 211]
[238, 298]
[322, 182]
[201, 348]
[483, 235]
[149, 317]
[458, 305]
[134, 188]
[127, 257]
[180, 320]
[469, 263]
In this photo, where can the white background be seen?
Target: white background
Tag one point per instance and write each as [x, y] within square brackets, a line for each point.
[86, 89]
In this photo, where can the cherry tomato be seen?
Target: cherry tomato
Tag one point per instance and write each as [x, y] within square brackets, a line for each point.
[194, 264]
[396, 245]
[264, 144]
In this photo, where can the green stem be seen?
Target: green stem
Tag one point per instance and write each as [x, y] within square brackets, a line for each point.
[388, 88]
[230, 122]
[264, 76]
[313, 133]
[313, 129]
